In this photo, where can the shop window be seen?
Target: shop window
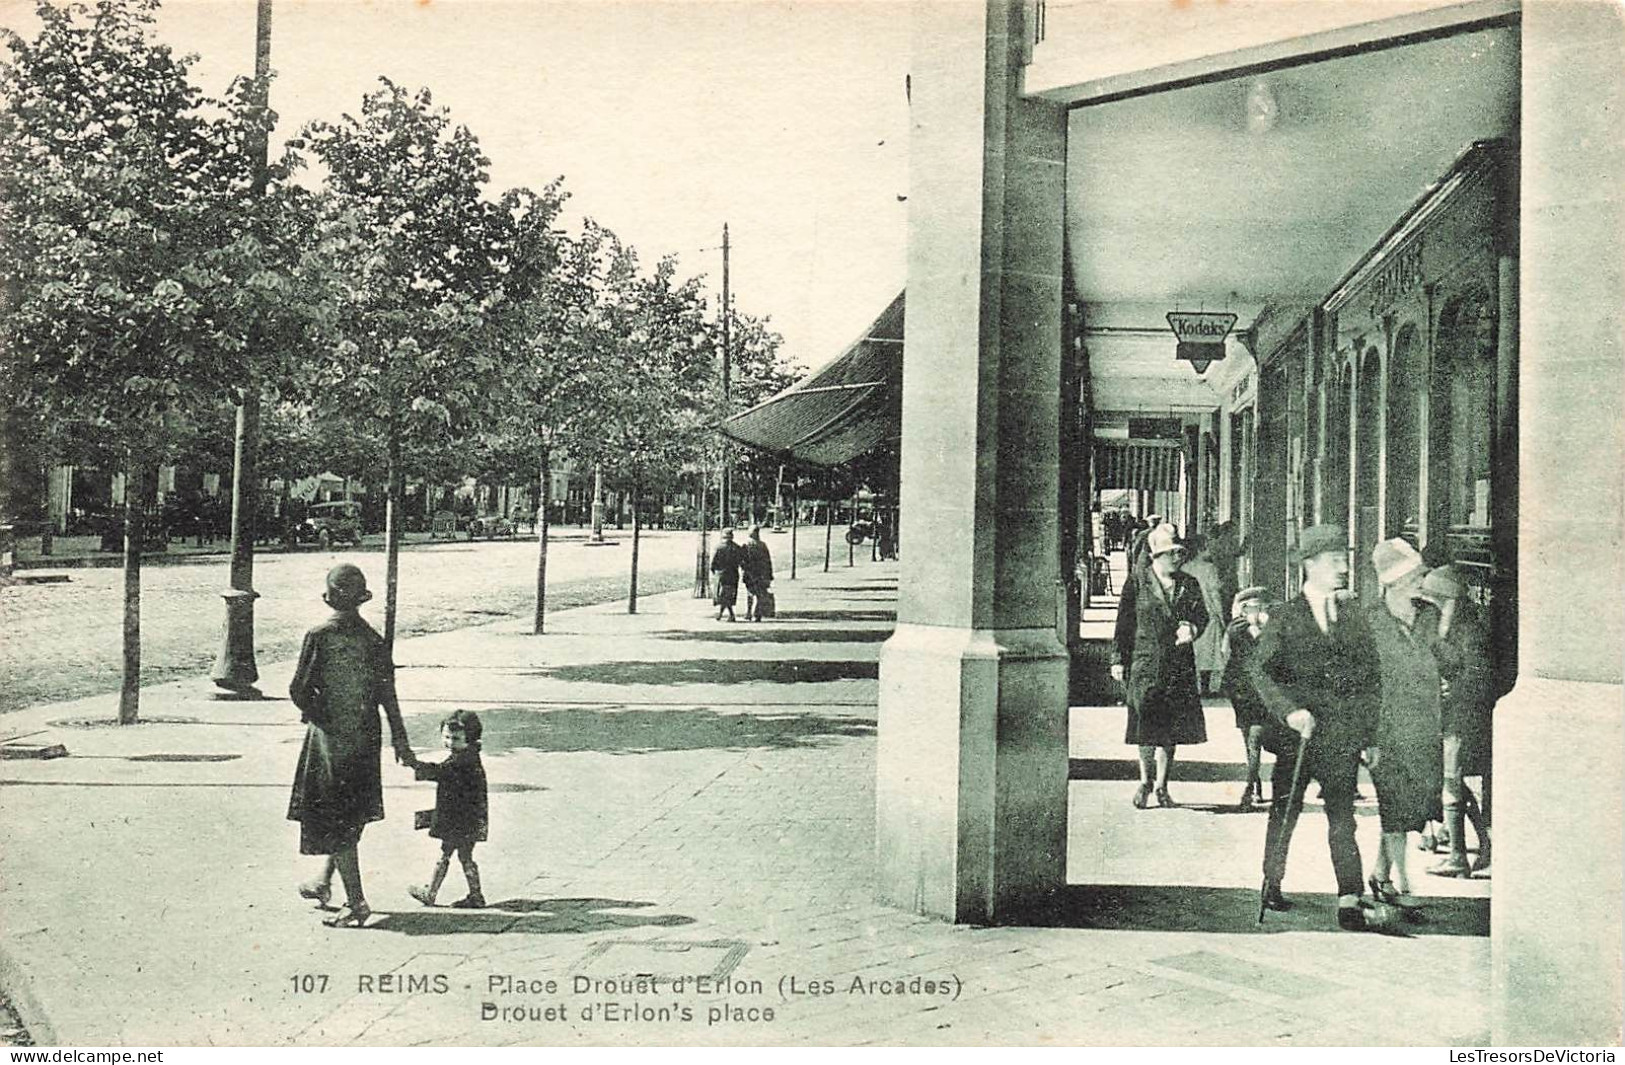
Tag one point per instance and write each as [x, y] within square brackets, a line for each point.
[1464, 392]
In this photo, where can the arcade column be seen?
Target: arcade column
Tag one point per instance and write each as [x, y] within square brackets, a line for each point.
[972, 759]
[1555, 921]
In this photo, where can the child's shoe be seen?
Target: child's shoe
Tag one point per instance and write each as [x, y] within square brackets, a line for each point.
[423, 893]
[472, 901]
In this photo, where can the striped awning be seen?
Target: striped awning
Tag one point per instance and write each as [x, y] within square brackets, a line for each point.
[1148, 465]
[846, 409]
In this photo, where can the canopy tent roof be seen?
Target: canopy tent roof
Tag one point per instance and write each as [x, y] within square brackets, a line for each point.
[844, 410]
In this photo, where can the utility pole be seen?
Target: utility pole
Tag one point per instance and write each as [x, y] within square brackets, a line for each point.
[234, 668]
[726, 487]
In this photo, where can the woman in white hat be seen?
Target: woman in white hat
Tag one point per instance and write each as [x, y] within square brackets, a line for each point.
[1159, 618]
[1408, 770]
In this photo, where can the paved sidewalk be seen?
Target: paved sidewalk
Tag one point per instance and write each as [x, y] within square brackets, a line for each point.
[676, 797]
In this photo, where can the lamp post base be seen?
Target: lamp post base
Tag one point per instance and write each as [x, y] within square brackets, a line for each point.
[234, 668]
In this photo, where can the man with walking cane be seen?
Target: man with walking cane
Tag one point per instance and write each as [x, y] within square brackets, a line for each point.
[1317, 672]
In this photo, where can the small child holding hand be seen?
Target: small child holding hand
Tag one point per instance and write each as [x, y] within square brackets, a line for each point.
[459, 818]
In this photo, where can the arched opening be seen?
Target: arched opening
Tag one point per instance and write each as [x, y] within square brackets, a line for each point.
[1405, 385]
[1368, 472]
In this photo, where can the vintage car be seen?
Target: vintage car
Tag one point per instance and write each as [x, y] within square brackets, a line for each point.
[327, 524]
[490, 527]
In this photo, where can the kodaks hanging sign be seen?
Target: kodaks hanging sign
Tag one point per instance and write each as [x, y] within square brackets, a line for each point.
[1201, 336]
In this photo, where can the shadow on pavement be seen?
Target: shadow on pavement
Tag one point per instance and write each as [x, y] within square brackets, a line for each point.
[837, 615]
[713, 671]
[529, 917]
[769, 633]
[1178, 908]
[615, 731]
[1128, 769]
[887, 586]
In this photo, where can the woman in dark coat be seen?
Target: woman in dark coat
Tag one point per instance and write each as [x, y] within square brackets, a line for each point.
[1408, 770]
[1466, 707]
[344, 676]
[1159, 618]
[726, 563]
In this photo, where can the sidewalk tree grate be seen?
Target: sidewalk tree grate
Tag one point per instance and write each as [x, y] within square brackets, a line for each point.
[113, 722]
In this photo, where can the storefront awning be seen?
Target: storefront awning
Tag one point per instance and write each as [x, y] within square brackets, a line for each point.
[846, 409]
[1148, 465]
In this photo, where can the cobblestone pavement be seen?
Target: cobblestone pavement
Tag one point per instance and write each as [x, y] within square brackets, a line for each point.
[63, 641]
[689, 801]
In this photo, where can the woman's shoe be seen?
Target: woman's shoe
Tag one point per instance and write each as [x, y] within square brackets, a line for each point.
[422, 894]
[1383, 891]
[349, 917]
[1165, 800]
[470, 902]
[1249, 797]
[317, 890]
[1141, 795]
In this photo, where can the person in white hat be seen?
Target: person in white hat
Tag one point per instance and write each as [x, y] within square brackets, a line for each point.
[1159, 617]
[1409, 773]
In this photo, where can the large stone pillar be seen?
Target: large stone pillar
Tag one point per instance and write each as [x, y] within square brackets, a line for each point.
[972, 773]
[1556, 925]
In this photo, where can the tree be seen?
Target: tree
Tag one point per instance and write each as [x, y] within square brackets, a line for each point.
[131, 267]
[651, 339]
[420, 283]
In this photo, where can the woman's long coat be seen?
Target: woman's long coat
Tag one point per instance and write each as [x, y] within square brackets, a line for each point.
[344, 676]
[1410, 769]
[1164, 705]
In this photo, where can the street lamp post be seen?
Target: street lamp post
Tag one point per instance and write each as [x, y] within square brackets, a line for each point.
[234, 668]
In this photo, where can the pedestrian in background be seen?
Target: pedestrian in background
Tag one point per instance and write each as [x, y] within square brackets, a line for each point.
[757, 569]
[460, 817]
[1159, 618]
[1407, 768]
[1466, 709]
[343, 677]
[1210, 646]
[1317, 672]
[725, 563]
[1250, 611]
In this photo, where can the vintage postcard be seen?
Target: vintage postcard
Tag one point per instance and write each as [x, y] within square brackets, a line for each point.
[1002, 522]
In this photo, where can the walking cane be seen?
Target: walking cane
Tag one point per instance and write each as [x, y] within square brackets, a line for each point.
[1291, 797]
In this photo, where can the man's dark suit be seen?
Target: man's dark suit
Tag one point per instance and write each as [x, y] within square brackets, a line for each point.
[1336, 676]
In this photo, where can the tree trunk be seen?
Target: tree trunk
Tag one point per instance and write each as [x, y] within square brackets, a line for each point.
[392, 537]
[637, 514]
[829, 528]
[129, 701]
[544, 495]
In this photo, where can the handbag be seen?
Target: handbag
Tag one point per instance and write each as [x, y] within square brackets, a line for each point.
[422, 819]
[769, 605]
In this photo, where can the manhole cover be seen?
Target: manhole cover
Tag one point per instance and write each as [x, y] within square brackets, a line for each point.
[665, 958]
[181, 757]
[112, 722]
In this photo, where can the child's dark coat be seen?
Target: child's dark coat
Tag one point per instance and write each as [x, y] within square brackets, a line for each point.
[460, 813]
